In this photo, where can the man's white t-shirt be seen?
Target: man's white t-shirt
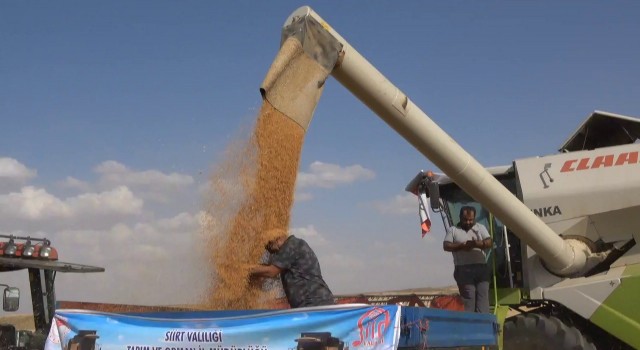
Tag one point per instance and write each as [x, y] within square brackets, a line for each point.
[466, 257]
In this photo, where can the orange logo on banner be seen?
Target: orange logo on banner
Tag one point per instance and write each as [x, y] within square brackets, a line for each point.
[371, 327]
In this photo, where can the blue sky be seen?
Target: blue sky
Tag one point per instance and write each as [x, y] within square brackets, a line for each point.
[115, 113]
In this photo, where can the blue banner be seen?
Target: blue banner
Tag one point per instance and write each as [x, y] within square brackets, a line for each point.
[341, 327]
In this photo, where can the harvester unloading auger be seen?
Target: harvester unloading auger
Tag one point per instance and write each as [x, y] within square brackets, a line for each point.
[307, 38]
[311, 51]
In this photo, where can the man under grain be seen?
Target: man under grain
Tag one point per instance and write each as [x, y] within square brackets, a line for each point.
[298, 267]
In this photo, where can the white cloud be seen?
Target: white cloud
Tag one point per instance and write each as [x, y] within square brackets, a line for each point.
[33, 203]
[308, 233]
[337, 262]
[112, 172]
[73, 183]
[182, 221]
[147, 263]
[393, 262]
[303, 196]
[151, 185]
[121, 233]
[150, 253]
[401, 204]
[12, 170]
[119, 200]
[326, 175]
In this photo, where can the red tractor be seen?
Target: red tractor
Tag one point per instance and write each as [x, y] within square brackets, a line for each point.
[40, 260]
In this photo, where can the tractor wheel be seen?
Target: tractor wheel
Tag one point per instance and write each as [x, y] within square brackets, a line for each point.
[534, 331]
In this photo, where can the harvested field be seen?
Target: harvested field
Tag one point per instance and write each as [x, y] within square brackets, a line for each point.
[19, 321]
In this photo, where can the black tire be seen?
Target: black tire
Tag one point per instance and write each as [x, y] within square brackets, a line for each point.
[534, 331]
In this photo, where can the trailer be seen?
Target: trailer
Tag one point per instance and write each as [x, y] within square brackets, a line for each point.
[339, 327]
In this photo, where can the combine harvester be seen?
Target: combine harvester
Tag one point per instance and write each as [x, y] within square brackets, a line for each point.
[565, 228]
[577, 267]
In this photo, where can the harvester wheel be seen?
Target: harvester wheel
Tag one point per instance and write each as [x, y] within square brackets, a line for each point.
[534, 331]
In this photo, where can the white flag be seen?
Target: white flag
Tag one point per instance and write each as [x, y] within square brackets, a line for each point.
[425, 219]
[53, 340]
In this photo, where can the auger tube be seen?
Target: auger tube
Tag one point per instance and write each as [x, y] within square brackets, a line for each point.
[352, 70]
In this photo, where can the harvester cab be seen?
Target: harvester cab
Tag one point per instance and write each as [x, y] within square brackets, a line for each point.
[588, 194]
[40, 259]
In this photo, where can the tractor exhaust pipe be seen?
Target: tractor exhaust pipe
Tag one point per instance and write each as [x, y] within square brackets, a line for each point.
[310, 36]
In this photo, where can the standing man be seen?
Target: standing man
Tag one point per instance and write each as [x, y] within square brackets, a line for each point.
[299, 270]
[467, 242]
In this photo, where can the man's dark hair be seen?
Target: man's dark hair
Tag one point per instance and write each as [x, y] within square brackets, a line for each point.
[468, 208]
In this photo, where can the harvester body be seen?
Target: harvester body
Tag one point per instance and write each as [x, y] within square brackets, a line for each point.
[589, 192]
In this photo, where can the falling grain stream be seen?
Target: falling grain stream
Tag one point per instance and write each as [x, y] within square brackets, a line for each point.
[252, 189]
